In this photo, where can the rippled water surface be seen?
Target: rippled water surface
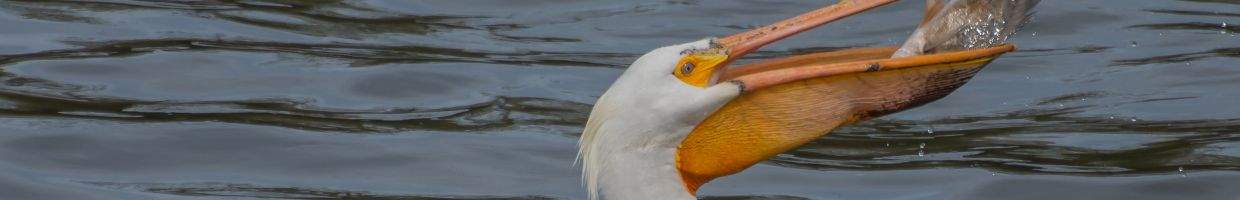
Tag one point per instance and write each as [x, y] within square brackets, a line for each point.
[484, 99]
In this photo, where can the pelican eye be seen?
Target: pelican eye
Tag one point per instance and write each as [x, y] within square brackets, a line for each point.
[687, 68]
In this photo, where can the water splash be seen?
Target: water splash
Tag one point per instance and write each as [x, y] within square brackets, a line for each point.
[921, 149]
[968, 24]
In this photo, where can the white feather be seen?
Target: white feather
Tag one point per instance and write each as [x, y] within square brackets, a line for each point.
[628, 147]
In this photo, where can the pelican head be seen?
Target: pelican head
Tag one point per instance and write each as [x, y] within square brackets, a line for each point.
[629, 148]
[669, 123]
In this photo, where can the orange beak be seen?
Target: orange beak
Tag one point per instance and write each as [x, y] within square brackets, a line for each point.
[740, 44]
[706, 163]
[702, 67]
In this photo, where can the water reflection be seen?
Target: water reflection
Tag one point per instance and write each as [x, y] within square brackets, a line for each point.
[225, 190]
[1036, 141]
[222, 190]
[1181, 58]
[1200, 26]
[359, 55]
[1213, 1]
[1194, 13]
[497, 114]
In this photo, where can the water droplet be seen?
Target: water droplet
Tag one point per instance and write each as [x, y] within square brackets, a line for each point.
[994, 174]
[1224, 26]
[922, 145]
[921, 153]
[930, 131]
[1188, 63]
[1182, 173]
[1133, 119]
[1061, 105]
[1111, 117]
[1133, 43]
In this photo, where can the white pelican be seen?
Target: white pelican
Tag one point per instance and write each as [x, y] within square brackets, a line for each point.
[678, 118]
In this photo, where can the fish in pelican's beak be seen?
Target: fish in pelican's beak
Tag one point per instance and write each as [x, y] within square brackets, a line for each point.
[678, 117]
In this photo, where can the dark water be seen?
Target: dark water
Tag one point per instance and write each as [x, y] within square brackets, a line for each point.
[248, 99]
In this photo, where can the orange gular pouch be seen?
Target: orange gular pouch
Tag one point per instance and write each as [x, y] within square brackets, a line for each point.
[791, 101]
